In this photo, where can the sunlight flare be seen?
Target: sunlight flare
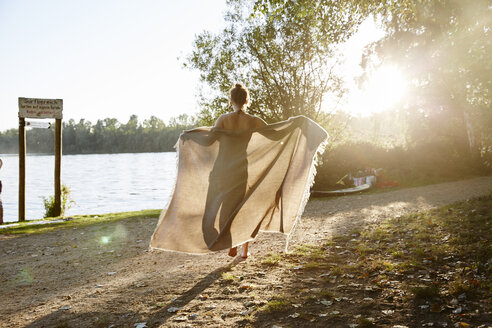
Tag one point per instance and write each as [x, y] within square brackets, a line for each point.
[382, 91]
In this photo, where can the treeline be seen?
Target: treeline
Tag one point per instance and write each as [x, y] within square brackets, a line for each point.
[106, 136]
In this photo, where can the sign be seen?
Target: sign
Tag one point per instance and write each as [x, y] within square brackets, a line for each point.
[39, 125]
[40, 108]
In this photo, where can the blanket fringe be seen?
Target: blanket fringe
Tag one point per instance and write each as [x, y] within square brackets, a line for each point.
[307, 190]
[161, 216]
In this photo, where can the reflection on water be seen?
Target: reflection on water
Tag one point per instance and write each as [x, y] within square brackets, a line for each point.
[100, 183]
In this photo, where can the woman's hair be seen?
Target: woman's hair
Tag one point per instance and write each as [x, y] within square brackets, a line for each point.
[239, 94]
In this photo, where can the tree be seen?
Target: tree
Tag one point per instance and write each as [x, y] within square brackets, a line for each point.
[283, 51]
[444, 48]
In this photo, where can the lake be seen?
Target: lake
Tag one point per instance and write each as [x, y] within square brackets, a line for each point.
[99, 183]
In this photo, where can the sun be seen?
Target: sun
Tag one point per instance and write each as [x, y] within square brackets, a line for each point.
[382, 91]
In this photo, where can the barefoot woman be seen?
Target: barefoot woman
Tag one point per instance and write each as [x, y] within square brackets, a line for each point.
[239, 120]
[237, 179]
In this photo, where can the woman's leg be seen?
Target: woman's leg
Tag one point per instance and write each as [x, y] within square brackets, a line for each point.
[244, 253]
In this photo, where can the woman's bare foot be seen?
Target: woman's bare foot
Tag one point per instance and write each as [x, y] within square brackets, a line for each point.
[233, 252]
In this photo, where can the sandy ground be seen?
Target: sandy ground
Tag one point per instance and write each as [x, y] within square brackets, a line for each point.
[103, 275]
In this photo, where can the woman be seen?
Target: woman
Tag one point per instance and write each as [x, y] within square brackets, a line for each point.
[239, 120]
[237, 179]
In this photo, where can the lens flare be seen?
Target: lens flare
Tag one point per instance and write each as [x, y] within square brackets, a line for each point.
[23, 277]
[105, 239]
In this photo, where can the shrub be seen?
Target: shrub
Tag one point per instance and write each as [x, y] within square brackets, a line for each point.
[66, 202]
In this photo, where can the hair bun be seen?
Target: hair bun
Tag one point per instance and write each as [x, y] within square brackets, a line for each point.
[239, 85]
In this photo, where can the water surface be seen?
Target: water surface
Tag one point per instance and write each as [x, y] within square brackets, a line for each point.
[100, 183]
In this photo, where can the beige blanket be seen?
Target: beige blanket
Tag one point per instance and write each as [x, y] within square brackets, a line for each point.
[230, 185]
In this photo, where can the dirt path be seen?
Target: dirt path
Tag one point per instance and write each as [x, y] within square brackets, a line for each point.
[103, 276]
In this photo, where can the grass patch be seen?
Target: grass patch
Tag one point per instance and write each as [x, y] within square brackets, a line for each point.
[304, 250]
[314, 265]
[425, 292]
[228, 276]
[271, 259]
[44, 225]
[277, 304]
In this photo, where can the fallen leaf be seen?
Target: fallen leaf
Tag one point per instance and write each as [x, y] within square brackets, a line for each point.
[462, 324]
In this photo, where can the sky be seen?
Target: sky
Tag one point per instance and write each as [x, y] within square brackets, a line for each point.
[104, 58]
[115, 58]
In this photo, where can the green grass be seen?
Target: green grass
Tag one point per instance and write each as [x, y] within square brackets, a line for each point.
[40, 226]
[271, 259]
[228, 276]
[277, 304]
[314, 265]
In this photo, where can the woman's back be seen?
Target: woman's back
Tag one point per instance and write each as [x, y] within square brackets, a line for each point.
[239, 121]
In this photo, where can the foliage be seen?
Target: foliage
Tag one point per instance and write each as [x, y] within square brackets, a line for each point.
[443, 48]
[424, 163]
[285, 58]
[106, 136]
[66, 202]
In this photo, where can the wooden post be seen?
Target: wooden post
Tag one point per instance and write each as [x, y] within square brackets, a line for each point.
[58, 154]
[22, 169]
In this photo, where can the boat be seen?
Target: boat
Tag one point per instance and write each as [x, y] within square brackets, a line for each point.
[341, 192]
